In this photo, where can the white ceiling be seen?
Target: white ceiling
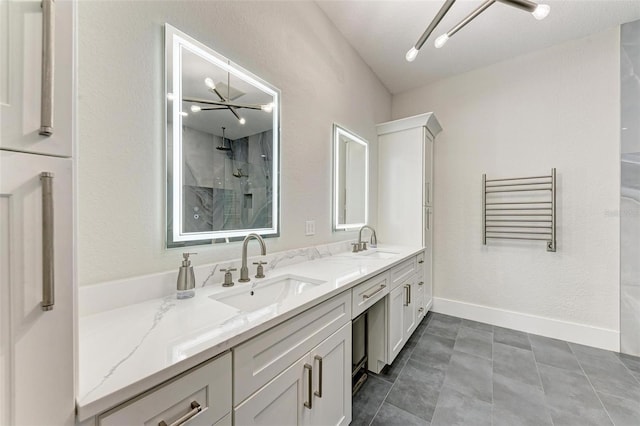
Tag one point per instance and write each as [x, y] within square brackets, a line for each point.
[383, 31]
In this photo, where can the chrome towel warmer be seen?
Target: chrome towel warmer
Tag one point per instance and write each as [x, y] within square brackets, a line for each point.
[520, 209]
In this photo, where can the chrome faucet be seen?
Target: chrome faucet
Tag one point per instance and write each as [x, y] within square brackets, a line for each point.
[244, 270]
[373, 240]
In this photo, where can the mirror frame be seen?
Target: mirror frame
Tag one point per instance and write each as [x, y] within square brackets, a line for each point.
[176, 237]
[339, 131]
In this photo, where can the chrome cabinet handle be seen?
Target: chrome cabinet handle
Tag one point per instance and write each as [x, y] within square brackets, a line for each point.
[195, 410]
[48, 258]
[409, 294]
[309, 403]
[318, 393]
[428, 220]
[428, 192]
[421, 261]
[421, 283]
[46, 101]
[406, 295]
[367, 296]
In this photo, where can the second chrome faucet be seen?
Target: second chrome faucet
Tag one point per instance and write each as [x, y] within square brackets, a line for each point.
[244, 270]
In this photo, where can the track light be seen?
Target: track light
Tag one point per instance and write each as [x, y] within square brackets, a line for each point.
[195, 108]
[413, 52]
[440, 41]
[267, 107]
[209, 83]
[539, 11]
[242, 120]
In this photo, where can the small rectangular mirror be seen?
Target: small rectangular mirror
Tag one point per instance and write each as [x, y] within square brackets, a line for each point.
[222, 131]
[350, 179]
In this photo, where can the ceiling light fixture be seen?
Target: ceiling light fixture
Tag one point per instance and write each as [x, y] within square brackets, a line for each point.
[413, 52]
[539, 11]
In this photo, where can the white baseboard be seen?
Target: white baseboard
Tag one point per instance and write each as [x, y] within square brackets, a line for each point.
[569, 331]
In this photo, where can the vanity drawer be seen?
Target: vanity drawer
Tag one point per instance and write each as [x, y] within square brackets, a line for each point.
[366, 294]
[262, 358]
[203, 393]
[402, 272]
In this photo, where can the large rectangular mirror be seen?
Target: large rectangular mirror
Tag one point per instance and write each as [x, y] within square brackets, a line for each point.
[351, 180]
[222, 146]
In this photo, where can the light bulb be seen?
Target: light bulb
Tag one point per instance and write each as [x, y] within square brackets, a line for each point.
[411, 54]
[195, 108]
[184, 114]
[541, 11]
[267, 107]
[242, 120]
[440, 41]
[209, 82]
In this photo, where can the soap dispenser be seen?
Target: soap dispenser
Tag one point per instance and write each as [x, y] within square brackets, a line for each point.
[186, 278]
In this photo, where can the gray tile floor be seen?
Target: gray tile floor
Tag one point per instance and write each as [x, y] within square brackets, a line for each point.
[459, 372]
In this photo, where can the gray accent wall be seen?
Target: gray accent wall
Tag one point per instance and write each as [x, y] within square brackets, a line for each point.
[630, 189]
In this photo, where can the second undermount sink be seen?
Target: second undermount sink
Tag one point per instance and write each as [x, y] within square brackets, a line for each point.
[258, 294]
[378, 254]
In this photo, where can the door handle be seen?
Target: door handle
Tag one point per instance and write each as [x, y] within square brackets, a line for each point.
[406, 295]
[309, 403]
[318, 393]
[48, 50]
[48, 258]
[195, 410]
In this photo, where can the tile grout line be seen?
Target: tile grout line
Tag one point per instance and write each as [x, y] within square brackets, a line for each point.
[435, 408]
[544, 392]
[397, 377]
[591, 384]
[628, 369]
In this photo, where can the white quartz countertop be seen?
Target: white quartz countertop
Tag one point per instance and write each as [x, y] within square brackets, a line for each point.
[125, 351]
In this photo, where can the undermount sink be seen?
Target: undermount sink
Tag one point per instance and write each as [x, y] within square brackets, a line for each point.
[378, 254]
[258, 294]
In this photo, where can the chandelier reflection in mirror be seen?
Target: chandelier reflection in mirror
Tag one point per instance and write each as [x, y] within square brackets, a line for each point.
[222, 146]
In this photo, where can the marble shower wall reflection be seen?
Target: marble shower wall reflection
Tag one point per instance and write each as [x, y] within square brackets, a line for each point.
[630, 190]
[230, 188]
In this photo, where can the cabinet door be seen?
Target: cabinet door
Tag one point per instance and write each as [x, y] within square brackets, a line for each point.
[332, 380]
[419, 301]
[396, 321]
[428, 170]
[428, 276]
[36, 346]
[282, 400]
[21, 28]
[409, 312]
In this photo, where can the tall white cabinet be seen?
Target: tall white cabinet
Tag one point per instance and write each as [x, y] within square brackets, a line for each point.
[36, 345]
[405, 190]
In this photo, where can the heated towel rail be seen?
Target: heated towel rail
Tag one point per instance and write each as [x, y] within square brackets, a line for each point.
[520, 209]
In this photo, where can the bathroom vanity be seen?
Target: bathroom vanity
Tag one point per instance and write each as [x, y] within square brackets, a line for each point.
[275, 350]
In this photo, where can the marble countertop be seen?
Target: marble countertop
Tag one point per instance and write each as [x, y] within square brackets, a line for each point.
[130, 349]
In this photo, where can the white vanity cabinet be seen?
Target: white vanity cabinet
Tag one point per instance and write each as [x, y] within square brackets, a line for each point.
[402, 306]
[299, 372]
[199, 397]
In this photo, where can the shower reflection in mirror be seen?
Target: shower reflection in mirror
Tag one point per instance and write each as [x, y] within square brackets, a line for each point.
[350, 180]
[222, 146]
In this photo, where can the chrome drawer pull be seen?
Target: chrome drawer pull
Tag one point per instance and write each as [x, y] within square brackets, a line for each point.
[46, 102]
[421, 283]
[406, 294]
[367, 296]
[309, 403]
[48, 258]
[318, 393]
[195, 410]
[421, 261]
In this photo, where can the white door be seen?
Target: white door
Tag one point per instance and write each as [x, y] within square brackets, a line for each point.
[21, 26]
[36, 346]
[409, 309]
[284, 401]
[332, 380]
[396, 321]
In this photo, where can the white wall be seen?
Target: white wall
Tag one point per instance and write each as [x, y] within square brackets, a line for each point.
[558, 107]
[292, 45]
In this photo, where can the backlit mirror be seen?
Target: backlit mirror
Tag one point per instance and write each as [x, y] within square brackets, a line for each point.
[351, 180]
[222, 146]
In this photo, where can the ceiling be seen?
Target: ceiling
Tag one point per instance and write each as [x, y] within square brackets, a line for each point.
[382, 31]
